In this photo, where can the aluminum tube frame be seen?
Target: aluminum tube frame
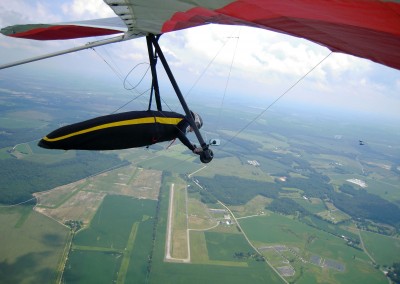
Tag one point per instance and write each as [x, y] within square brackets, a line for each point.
[178, 92]
[74, 49]
[153, 63]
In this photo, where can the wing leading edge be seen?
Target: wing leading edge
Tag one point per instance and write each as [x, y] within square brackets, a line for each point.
[100, 27]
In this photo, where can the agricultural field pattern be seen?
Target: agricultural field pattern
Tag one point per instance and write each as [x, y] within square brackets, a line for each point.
[290, 200]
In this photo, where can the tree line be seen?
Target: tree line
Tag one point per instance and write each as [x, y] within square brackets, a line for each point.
[21, 178]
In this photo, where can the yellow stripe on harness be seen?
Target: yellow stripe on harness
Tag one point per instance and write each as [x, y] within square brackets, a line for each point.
[145, 120]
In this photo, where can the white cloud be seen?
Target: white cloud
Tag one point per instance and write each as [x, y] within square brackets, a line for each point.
[265, 63]
[24, 12]
[87, 9]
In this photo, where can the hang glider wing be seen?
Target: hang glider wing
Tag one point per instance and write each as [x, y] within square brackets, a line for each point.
[99, 27]
[364, 28]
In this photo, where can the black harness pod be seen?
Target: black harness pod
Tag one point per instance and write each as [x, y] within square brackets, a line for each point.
[119, 131]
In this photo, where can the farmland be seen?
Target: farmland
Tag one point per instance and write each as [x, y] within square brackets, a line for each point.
[32, 246]
[110, 242]
[290, 217]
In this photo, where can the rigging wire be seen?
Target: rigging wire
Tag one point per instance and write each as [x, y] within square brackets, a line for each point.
[124, 80]
[228, 79]
[277, 99]
[263, 111]
[108, 64]
[229, 140]
[208, 66]
[104, 47]
[127, 103]
[141, 79]
[119, 73]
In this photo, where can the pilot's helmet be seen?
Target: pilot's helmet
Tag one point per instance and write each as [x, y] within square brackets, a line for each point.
[197, 119]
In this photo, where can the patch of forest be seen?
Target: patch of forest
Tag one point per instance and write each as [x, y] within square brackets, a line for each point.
[359, 204]
[237, 191]
[9, 136]
[20, 178]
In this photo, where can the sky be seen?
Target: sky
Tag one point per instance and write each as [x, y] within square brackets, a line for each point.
[227, 63]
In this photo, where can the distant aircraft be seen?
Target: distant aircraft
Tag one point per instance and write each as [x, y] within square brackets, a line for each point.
[367, 29]
[361, 142]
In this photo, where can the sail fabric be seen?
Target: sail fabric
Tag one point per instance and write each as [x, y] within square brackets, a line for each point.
[71, 30]
[365, 28]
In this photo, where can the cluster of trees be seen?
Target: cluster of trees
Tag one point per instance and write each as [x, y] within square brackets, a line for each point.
[9, 136]
[75, 225]
[315, 185]
[357, 203]
[394, 273]
[207, 197]
[363, 205]
[286, 206]
[248, 255]
[237, 191]
[21, 178]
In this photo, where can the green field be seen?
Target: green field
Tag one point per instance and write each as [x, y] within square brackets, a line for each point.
[125, 241]
[385, 250]
[117, 238]
[172, 164]
[280, 230]
[222, 271]
[31, 246]
[314, 206]
[222, 246]
[92, 267]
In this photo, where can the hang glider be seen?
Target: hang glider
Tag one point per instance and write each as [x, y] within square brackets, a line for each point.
[364, 28]
[368, 29]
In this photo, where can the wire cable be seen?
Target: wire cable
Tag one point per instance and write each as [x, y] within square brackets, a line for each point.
[276, 100]
[228, 79]
[208, 66]
[124, 80]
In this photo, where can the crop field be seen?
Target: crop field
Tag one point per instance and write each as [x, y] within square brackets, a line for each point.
[278, 230]
[169, 164]
[222, 246]
[314, 205]
[92, 267]
[130, 181]
[40, 241]
[115, 237]
[330, 228]
[126, 212]
[335, 216]
[385, 250]
[79, 206]
[233, 166]
[111, 226]
[255, 206]
[57, 196]
[80, 200]
[385, 188]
